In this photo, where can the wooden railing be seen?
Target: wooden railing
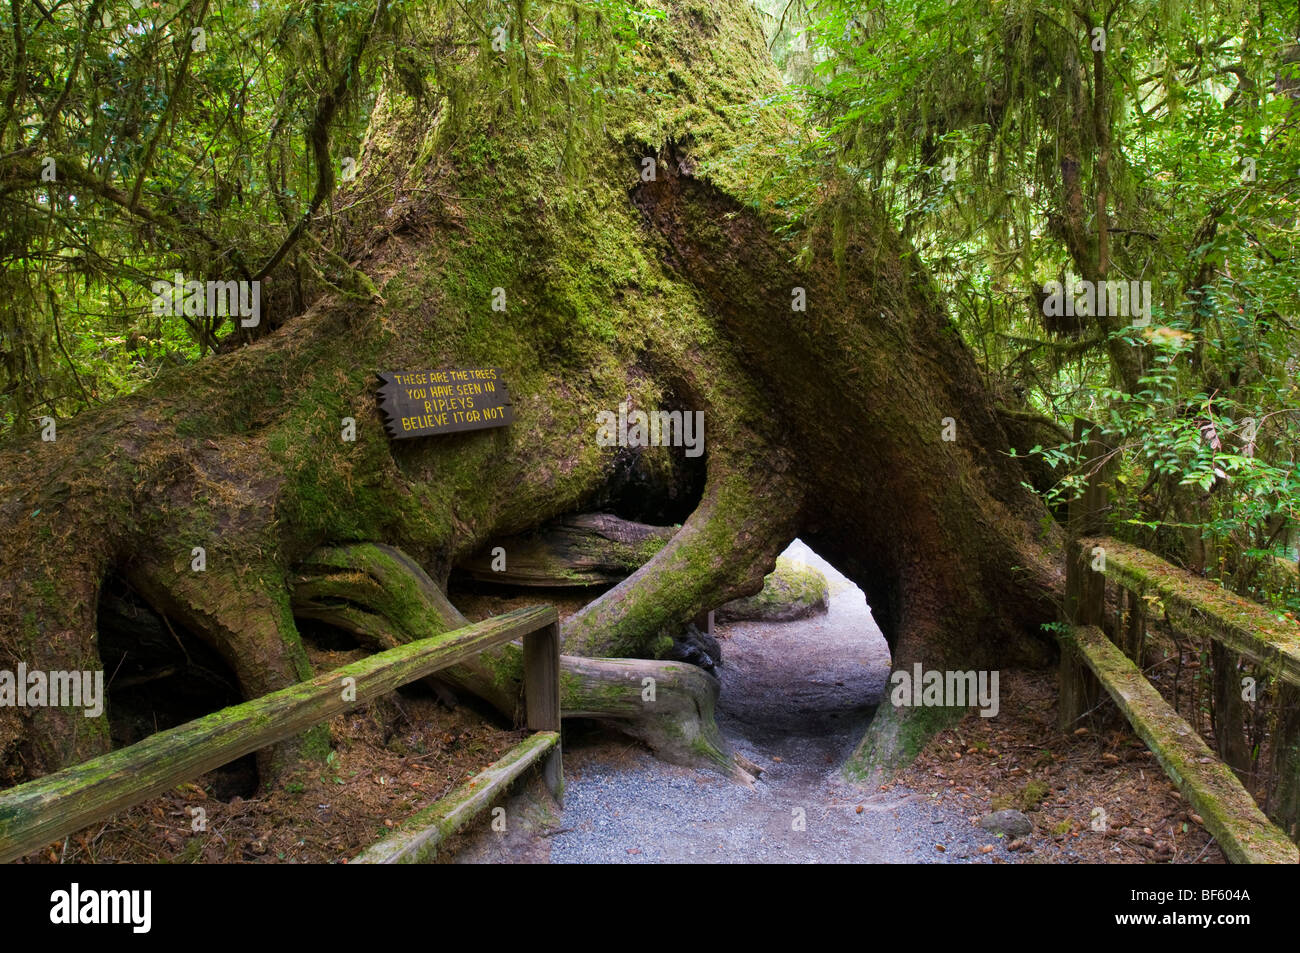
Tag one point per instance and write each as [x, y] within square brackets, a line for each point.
[1103, 649]
[41, 811]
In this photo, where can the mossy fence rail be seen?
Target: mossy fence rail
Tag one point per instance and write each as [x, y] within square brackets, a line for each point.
[39, 812]
[1103, 647]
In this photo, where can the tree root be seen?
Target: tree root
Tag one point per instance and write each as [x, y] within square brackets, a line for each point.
[238, 615]
[667, 705]
[590, 549]
[383, 597]
[722, 552]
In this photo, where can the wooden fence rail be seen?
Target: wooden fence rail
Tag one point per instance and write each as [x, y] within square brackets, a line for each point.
[41, 811]
[1230, 813]
[417, 839]
[1232, 626]
[1199, 606]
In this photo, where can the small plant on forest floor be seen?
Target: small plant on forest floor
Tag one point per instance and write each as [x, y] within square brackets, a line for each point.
[1028, 798]
[331, 761]
[193, 848]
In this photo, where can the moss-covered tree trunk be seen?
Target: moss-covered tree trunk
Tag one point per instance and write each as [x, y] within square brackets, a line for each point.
[671, 293]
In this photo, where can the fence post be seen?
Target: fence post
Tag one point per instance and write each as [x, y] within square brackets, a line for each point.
[542, 697]
[1085, 588]
[1135, 630]
[1284, 793]
[1229, 711]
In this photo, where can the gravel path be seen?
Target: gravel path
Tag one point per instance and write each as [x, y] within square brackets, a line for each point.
[796, 698]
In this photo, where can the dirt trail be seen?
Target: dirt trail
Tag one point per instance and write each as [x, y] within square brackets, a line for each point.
[803, 691]
[796, 698]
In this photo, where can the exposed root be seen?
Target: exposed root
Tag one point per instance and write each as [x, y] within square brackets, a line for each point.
[381, 595]
[667, 705]
[722, 552]
[241, 616]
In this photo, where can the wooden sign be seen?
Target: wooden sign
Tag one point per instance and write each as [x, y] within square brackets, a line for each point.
[424, 403]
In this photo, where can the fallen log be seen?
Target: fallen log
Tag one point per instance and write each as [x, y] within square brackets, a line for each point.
[590, 549]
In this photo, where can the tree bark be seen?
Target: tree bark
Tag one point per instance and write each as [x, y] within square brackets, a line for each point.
[827, 423]
[383, 597]
[590, 549]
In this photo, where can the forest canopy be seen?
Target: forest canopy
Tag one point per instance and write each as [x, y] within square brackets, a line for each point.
[1034, 153]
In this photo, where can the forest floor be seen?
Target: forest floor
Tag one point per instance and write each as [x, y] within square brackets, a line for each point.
[796, 698]
[387, 760]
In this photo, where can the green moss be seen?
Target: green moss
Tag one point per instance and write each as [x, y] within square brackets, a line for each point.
[789, 591]
[195, 425]
[1033, 794]
[895, 737]
[507, 667]
[1230, 812]
[579, 694]
[46, 589]
[316, 743]
[1202, 608]
[1027, 798]
[709, 751]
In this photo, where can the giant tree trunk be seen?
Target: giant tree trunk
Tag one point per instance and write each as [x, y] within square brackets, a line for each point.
[674, 293]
